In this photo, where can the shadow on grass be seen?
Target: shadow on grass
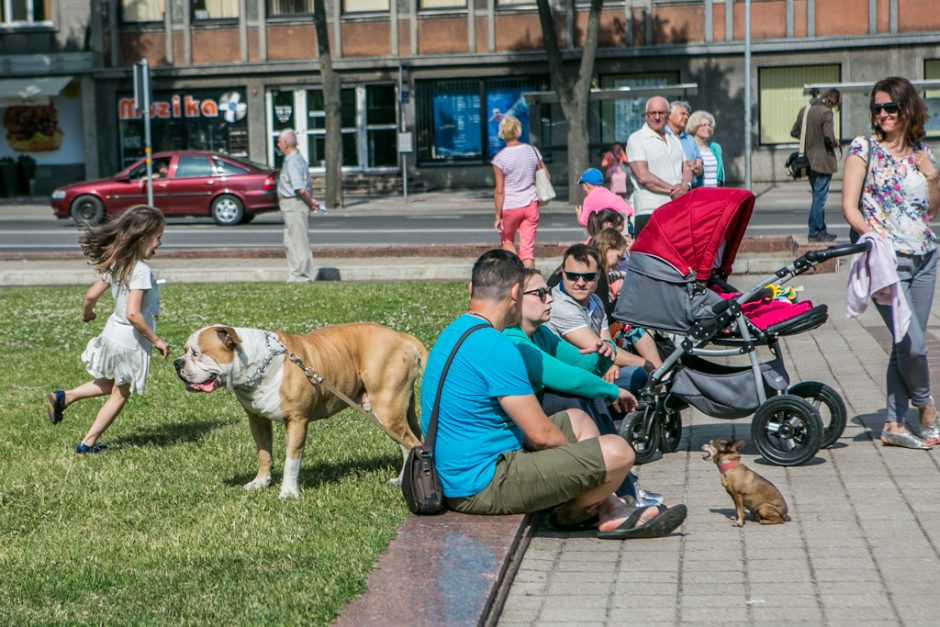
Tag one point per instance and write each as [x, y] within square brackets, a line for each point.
[166, 435]
[327, 472]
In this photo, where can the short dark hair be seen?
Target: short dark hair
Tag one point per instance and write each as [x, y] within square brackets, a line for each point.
[494, 274]
[582, 253]
[832, 98]
[912, 111]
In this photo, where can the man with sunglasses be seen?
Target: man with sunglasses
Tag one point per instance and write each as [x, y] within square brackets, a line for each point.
[658, 166]
[820, 146]
[578, 316]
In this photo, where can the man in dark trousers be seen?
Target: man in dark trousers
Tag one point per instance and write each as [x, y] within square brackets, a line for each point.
[820, 147]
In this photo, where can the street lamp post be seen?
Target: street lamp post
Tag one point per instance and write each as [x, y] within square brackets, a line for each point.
[747, 94]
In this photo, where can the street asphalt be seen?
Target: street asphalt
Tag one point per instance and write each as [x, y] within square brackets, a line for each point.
[359, 264]
[863, 545]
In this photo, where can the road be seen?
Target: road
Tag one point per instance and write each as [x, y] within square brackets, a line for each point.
[36, 230]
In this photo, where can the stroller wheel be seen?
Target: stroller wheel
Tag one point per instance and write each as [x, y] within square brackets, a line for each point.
[786, 430]
[670, 420]
[644, 440]
[830, 406]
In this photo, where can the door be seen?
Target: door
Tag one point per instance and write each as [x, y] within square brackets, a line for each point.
[193, 185]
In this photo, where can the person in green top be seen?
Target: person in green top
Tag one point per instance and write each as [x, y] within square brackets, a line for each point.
[564, 376]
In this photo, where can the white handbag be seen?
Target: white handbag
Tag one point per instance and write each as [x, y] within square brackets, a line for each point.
[544, 190]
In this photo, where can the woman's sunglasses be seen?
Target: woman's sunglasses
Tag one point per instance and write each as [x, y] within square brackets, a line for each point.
[542, 293]
[574, 276]
[890, 108]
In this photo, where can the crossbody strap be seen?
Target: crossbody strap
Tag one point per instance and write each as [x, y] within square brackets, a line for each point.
[432, 421]
[803, 129]
[538, 160]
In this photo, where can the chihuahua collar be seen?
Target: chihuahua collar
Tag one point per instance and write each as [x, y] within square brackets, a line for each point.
[725, 467]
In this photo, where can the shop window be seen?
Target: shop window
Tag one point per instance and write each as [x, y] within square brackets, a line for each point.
[780, 93]
[932, 73]
[514, 3]
[459, 120]
[142, 10]
[620, 118]
[442, 4]
[14, 12]
[364, 6]
[368, 115]
[215, 9]
[290, 7]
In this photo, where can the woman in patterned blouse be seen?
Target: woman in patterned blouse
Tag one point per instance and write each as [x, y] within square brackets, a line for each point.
[890, 187]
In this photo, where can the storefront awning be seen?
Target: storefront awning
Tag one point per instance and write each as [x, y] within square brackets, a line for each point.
[31, 91]
[683, 90]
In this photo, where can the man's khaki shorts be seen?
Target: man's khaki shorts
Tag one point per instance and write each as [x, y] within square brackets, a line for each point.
[529, 481]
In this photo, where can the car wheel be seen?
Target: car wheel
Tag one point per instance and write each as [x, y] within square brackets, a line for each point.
[87, 211]
[227, 210]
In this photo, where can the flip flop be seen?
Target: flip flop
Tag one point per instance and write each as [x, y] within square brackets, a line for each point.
[665, 522]
[584, 525]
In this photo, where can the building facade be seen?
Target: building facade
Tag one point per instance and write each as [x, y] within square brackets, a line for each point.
[426, 81]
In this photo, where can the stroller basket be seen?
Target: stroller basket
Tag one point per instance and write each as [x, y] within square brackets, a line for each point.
[726, 391]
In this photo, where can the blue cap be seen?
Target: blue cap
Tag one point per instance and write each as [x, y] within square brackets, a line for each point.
[592, 176]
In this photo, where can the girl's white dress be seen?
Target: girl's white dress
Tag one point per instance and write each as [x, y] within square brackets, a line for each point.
[121, 353]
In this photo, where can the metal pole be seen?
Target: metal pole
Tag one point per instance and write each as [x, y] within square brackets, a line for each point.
[747, 94]
[403, 156]
[145, 97]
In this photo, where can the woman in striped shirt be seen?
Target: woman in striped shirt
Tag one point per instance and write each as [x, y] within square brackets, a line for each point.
[700, 126]
[517, 207]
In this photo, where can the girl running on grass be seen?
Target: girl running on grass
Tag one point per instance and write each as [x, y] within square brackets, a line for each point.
[119, 358]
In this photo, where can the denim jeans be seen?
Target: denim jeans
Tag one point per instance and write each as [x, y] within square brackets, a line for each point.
[817, 212]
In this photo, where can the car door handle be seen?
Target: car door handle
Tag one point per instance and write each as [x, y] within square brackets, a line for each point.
[210, 182]
[162, 186]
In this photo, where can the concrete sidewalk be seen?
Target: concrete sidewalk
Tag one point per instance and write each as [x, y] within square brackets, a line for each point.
[863, 545]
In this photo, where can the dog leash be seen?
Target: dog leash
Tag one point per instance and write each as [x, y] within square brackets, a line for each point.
[317, 380]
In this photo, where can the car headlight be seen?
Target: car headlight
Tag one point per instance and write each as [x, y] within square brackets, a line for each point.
[58, 194]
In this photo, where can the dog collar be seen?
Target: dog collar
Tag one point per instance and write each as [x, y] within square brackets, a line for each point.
[274, 348]
[725, 467]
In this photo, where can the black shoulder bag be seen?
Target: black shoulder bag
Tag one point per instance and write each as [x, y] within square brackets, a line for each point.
[420, 484]
[798, 162]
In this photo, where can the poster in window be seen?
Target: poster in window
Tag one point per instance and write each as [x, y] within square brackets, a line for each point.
[501, 102]
[457, 130]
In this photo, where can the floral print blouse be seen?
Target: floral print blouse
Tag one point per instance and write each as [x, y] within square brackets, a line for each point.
[895, 197]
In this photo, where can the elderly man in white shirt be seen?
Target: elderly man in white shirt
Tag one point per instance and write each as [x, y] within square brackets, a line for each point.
[658, 168]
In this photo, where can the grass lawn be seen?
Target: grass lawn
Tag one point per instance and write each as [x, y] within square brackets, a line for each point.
[158, 530]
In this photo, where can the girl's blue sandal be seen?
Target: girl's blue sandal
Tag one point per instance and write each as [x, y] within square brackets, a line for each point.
[55, 406]
[82, 449]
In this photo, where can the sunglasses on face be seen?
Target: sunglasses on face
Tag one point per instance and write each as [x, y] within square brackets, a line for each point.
[890, 107]
[574, 276]
[541, 292]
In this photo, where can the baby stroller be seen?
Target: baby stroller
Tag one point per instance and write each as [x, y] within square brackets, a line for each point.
[677, 284]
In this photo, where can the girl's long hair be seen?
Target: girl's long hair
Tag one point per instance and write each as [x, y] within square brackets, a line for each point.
[116, 246]
[608, 239]
[912, 111]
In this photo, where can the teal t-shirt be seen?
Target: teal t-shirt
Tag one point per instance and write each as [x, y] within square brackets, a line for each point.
[472, 428]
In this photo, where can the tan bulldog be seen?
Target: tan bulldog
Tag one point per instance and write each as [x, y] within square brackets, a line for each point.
[372, 364]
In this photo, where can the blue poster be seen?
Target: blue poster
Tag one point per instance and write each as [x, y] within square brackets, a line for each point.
[501, 102]
[457, 130]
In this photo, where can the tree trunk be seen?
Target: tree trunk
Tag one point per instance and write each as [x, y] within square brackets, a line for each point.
[573, 86]
[332, 107]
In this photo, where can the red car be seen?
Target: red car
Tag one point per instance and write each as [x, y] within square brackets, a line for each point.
[185, 183]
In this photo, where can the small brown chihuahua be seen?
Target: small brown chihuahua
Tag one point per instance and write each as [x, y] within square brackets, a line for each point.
[746, 487]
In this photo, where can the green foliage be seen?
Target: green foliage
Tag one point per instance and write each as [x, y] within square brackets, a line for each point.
[158, 530]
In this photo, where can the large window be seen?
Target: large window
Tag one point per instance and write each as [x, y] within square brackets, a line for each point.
[290, 7]
[781, 98]
[363, 6]
[370, 139]
[458, 120]
[14, 12]
[142, 10]
[442, 4]
[932, 72]
[215, 9]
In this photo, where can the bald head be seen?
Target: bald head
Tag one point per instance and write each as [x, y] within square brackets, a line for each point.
[657, 113]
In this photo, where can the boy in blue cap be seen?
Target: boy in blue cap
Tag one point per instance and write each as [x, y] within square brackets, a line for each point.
[597, 197]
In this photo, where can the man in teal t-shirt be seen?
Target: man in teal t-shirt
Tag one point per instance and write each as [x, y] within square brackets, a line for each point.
[496, 451]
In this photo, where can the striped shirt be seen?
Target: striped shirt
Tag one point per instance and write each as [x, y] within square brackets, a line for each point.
[518, 164]
[710, 163]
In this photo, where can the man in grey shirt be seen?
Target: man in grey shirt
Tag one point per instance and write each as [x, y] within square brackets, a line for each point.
[295, 197]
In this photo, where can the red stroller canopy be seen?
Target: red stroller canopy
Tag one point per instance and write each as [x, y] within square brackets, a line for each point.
[699, 231]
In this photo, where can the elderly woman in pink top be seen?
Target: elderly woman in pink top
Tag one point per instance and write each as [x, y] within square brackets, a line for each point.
[517, 207]
[597, 198]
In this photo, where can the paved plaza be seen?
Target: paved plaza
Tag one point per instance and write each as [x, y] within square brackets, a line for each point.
[862, 546]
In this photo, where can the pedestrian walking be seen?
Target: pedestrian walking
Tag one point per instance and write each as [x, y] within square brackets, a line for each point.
[890, 188]
[119, 358]
[820, 147]
[295, 197]
[658, 168]
[700, 127]
[615, 166]
[517, 207]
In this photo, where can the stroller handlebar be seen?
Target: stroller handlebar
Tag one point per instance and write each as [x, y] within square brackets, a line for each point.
[816, 256]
